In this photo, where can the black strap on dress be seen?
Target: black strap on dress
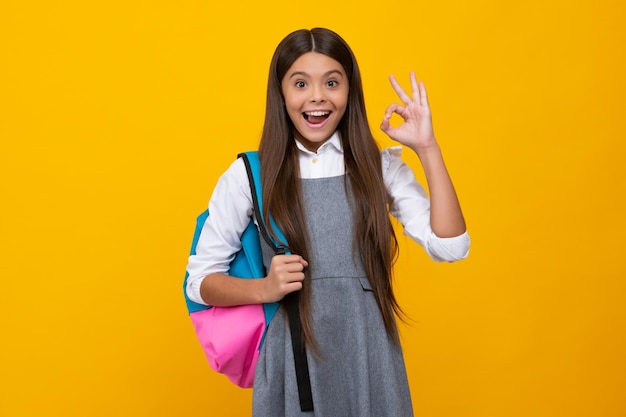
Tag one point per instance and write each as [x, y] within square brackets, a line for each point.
[299, 353]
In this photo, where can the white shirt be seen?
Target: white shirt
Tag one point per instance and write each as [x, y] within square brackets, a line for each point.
[231, 207]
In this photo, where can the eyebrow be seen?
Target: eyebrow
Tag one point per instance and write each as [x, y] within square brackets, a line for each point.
[304, 74]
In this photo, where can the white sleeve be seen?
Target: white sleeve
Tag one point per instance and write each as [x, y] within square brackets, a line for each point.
[411, 206]
[230, 210]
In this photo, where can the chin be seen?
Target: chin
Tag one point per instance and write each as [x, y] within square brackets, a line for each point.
[316, 135]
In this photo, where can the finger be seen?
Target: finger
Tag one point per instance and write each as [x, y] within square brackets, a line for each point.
[423, 96]
[292, 287]
[394, 108]
[406, 99]
[294, 280]
[298, 277]
[415, 88]
[288, 277]
[293, 267]
[280, 265]
[385, 125]
[283, 276]
[287, 259]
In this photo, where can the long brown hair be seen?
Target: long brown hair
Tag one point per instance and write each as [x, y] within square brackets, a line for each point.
[374, 239]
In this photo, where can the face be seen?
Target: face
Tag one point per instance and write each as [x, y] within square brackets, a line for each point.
[315, 89]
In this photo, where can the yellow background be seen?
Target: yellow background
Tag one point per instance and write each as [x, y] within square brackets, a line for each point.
[117, 117]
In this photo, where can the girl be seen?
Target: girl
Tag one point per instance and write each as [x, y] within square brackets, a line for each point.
[330, 190]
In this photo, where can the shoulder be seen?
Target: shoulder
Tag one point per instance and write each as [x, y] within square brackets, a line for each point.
[233, 184]
[397, 174]
[236, 173]
[391, 158]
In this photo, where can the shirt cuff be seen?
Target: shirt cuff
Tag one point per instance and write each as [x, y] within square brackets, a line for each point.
[193, 290]
[448, 249]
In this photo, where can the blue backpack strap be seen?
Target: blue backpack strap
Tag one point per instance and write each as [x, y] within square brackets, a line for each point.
[253, 168]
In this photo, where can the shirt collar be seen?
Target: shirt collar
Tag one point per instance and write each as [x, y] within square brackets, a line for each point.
[334, 141]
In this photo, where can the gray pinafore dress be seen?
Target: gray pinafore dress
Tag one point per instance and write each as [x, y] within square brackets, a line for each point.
[361, 372]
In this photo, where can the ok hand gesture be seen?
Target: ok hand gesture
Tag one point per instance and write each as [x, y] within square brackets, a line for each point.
[416, 131]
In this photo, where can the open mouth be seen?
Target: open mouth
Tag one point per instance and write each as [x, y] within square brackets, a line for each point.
[316, 117]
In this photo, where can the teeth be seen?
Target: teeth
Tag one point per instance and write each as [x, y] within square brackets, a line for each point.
[317, 113]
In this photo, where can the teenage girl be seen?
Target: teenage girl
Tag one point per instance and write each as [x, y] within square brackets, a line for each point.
[330, 190]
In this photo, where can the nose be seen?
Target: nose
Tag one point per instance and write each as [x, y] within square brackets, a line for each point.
[317, 95]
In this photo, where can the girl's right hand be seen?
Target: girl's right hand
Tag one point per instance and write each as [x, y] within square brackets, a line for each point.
[285, 276]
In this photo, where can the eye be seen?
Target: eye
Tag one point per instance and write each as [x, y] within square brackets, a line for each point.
[300, 84]
[332, 83]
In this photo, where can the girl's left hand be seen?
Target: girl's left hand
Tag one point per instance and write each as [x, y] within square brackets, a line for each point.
[416, 131]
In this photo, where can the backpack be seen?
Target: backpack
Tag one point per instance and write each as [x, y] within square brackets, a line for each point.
[235, 353]
[232, 337]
